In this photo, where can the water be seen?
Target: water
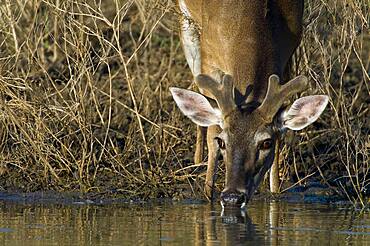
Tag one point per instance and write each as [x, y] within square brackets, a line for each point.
[266, 223]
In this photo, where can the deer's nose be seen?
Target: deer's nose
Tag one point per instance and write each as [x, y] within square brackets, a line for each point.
[233, 199]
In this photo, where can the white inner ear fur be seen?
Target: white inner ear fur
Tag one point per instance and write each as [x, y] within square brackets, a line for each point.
[304, 111]
[196, 107]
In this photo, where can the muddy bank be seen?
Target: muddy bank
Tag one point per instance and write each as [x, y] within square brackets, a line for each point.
[313, 193]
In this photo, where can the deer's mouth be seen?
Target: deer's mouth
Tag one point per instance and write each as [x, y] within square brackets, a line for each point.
[237, 199]
[233, 199]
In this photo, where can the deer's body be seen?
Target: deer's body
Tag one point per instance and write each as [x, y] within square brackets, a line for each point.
[249, 40]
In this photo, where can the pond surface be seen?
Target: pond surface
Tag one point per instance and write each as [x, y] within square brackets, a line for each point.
[265, 223]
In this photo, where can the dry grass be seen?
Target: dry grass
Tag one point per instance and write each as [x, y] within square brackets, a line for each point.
[335, 53]
[84, 100]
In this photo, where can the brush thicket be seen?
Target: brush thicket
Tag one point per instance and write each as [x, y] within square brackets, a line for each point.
[85, 103]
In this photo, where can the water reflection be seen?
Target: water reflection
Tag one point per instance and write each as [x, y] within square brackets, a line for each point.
[275, 223]
[238, 227]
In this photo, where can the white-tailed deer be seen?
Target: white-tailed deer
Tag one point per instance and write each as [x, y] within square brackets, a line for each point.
[237, 50]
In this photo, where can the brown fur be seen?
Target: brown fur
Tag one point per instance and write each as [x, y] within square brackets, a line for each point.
[249, 40]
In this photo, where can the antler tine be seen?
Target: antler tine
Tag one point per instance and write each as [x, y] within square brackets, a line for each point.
[277, 94]
[223, 92]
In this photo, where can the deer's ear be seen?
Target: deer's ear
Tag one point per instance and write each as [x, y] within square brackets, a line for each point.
[304, 111]
[196, 107]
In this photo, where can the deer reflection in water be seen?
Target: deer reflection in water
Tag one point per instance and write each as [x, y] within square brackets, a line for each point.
[235, 227]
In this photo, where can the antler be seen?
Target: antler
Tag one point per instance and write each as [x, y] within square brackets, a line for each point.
[277, 94]
[223, 92]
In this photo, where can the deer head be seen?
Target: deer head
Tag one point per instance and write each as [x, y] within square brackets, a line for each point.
[249, 131]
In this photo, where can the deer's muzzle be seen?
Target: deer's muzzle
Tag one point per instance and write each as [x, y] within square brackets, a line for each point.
[233, 199]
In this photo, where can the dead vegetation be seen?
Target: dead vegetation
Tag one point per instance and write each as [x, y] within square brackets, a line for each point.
[85, 105]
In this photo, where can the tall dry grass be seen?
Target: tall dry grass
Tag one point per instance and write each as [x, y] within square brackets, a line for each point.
[335, 54]
[85, 103]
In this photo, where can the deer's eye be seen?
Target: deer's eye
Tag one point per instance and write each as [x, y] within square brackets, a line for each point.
[266, 144]
[221, 143]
